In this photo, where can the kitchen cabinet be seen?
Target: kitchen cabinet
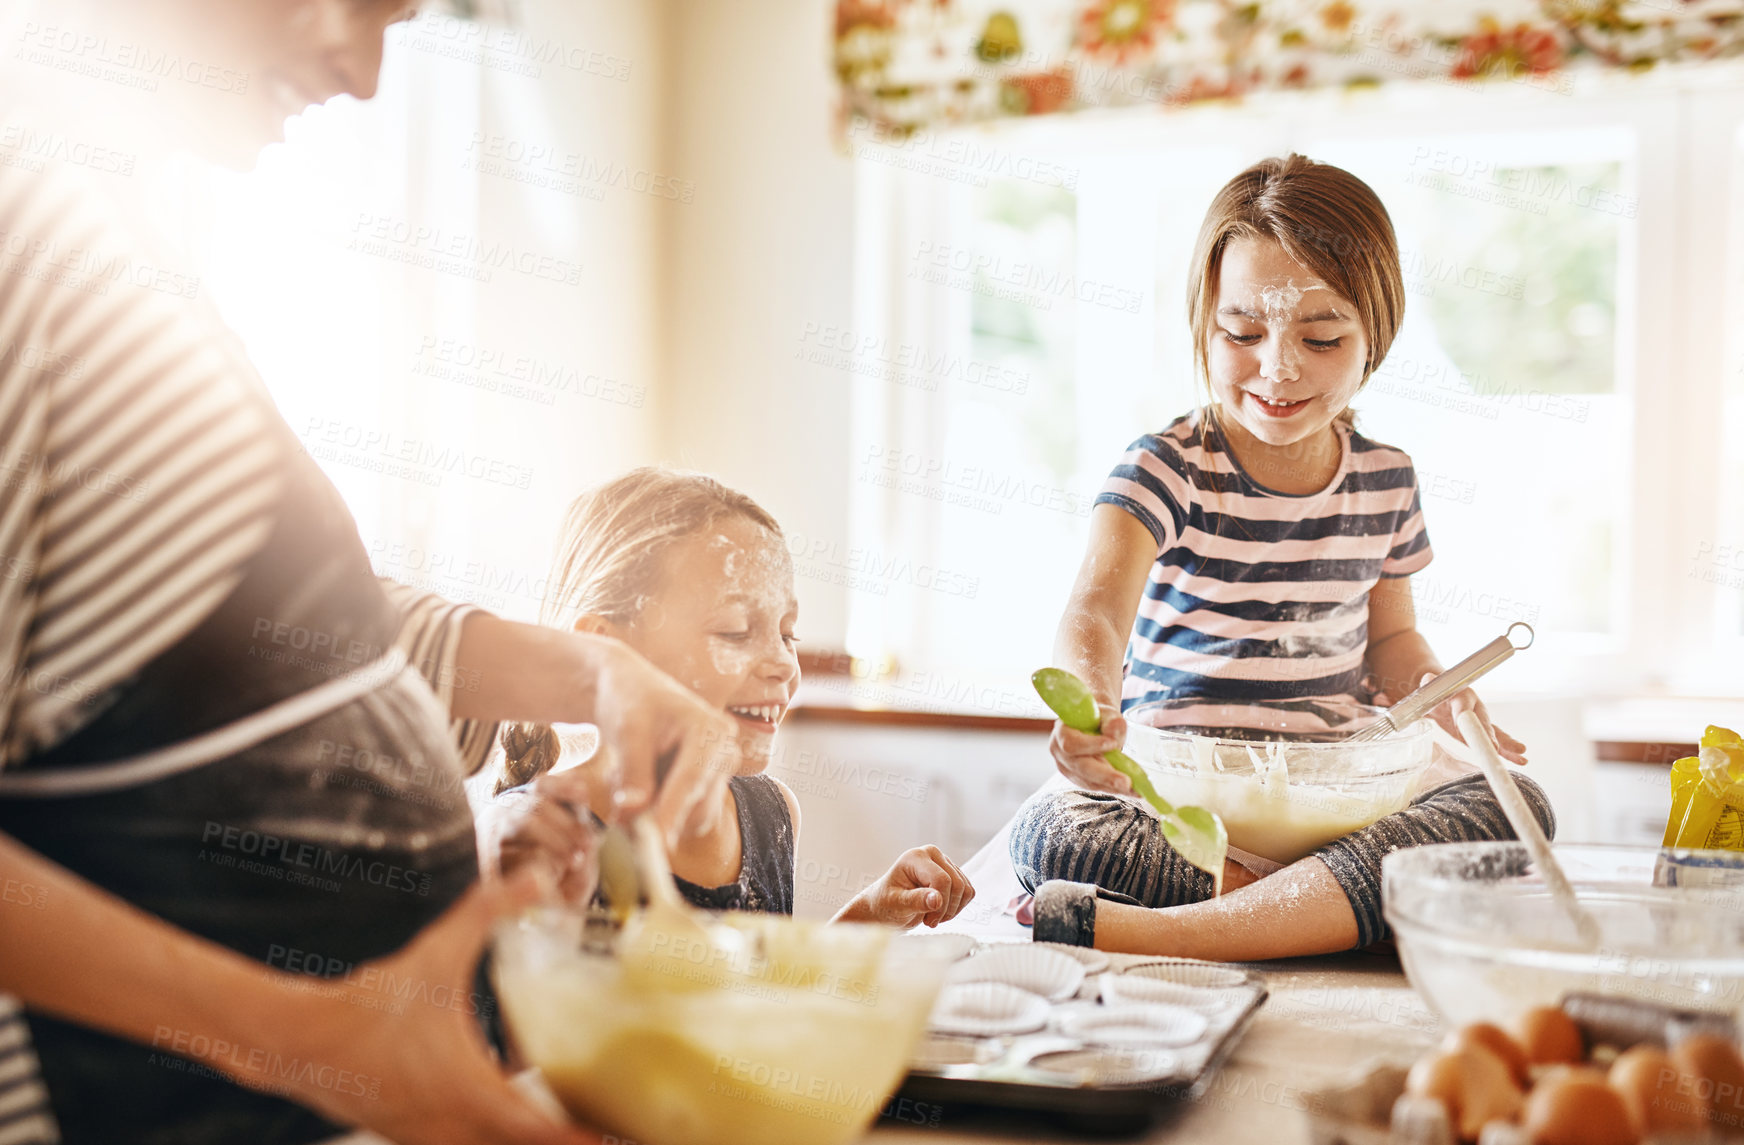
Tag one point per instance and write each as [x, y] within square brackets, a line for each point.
[869, 791]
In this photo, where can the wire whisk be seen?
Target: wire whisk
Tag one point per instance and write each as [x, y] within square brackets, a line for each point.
[1457, 678]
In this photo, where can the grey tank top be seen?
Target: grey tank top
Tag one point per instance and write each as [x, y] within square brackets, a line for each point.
[766, 847]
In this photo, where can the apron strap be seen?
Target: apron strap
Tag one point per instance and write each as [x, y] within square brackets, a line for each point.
[207, 747]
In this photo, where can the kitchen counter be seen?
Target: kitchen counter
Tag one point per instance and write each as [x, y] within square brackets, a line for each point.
[1326, 1021]
[1654, 729]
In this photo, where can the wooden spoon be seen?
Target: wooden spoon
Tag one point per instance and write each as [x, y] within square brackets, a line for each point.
[1525, 826]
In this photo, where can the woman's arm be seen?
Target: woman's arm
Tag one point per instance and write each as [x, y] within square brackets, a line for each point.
[647, 721]
[421, 1076]
[1400, 659]
[1091, 640]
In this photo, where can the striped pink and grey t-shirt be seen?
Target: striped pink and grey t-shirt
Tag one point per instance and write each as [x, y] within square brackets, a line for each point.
[1257, 594]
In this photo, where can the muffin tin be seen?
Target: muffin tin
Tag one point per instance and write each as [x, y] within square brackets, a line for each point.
[1036, 1026]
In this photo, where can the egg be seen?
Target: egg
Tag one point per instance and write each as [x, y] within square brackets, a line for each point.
[1549, 1036]
[1717, 1075]
[1472, 1084]
[1659, 1096]
[1440, 1078]
[1574, 1106]
[1493, 1038]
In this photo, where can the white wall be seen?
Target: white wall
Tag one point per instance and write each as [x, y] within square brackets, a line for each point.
[606, 330]
[547, 146]
[762, 255]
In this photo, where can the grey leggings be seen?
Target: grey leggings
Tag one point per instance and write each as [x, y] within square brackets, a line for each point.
[1111, 844]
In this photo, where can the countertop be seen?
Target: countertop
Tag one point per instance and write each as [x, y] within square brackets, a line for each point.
[1327, 1020]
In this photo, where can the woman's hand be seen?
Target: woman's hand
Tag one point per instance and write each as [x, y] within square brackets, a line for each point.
[394, 1047]
[1078, 755]
[661, 746]
[676, 752]
[922, 886]
[1447, 712]
[422, 1075]
[546, 821]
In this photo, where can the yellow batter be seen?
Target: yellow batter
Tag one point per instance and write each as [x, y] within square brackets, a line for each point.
[776, 1031]
[1280, 823]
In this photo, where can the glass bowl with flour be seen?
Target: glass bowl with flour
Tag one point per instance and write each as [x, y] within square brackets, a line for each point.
[1275, 770]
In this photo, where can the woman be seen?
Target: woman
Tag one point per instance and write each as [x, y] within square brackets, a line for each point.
[192, 646]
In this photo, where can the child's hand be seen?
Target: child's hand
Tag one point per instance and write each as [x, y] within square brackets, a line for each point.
[1079, 755]
[543, 822]
[1511, 749]
[922, 886]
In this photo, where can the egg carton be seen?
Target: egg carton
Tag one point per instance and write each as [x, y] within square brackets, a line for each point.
[1036, 1026]
[1373, 1110]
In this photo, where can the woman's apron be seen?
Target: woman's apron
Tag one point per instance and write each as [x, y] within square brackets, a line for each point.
[277, 782]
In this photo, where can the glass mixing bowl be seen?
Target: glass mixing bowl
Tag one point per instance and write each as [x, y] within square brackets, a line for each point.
[1482, 939]
[1274, 769]
[766, 1030]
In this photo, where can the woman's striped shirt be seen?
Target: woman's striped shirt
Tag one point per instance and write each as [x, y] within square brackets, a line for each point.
[140, 472]
[1254, 593]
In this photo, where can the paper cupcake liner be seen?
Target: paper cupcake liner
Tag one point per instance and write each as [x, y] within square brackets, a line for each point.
[1095, 961]
[1132, 1024]
[1120, 988]
[1188, 972]
[987, 1009]
[1026, 966]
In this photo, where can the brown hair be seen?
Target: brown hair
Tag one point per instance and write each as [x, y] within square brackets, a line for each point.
[616, 538]
[1323, 217]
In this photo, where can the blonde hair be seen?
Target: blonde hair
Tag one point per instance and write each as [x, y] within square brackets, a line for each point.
[616, 538]
[1323, 217]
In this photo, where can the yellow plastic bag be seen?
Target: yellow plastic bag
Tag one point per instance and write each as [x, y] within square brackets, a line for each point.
[1707, 795]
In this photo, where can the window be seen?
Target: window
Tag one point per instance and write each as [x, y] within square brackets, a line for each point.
[445, 289]
[1503, 383]
[1569, 267]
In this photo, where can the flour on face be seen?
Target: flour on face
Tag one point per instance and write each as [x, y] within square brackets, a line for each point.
[760, 576]
[1280, 305]
[720, 620]
[730, 558]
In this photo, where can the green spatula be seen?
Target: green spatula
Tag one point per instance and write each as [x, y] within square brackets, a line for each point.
[1196, 833]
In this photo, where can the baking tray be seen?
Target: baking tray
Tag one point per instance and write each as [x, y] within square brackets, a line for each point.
[1100, 1083]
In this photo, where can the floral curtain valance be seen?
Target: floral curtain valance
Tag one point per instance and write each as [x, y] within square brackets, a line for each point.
[912, 64]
